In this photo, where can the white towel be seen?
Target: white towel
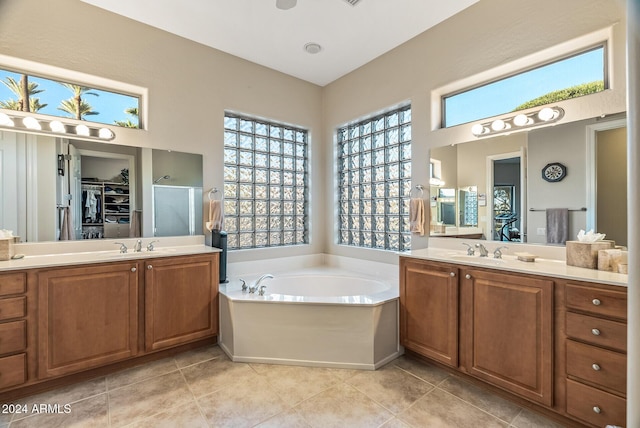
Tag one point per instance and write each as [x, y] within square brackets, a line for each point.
[216, 216]
[66, 229]
[416, 216]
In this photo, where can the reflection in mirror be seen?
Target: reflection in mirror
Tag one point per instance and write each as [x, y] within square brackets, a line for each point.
[584, 147]
[177, 193]
[468, 206]
[54, 188]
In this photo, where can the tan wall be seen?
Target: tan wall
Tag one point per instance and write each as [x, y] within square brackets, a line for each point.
[486, 35]
[189, 85]
[612, 184]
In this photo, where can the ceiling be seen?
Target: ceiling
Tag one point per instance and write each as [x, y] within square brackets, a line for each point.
[257, 31]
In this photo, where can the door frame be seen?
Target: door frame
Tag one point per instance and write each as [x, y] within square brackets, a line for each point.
[522, 154]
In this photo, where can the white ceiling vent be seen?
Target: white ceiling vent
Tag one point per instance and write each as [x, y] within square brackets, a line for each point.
[352, 2]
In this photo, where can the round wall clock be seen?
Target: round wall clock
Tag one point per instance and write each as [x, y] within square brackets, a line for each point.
[553, 172]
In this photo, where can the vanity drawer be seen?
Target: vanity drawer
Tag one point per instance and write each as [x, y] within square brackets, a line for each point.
[595, 406]
[13, 283]
[597, 331]
[13, 370]
[596, 301]
[13, 336]
[596, 365]
[14, 307]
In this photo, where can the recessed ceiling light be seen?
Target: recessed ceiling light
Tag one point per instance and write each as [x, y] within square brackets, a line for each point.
[312, 48]
[285, 4]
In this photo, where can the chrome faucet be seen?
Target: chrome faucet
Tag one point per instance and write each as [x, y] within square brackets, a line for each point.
[150, 246]
[483, 250]
[123, 248]
[256, 285]
[138, 247]
[470, 250]
[497, 254]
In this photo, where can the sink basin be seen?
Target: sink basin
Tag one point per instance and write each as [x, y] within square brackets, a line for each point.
[490, 261]
[144, 253]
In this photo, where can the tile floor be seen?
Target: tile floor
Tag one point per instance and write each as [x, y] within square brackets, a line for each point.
[203, 388]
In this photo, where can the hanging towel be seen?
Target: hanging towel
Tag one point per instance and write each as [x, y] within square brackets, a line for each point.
[134, 230]
[557, 225]
[416, 216]
[66, 229]
[216, 216]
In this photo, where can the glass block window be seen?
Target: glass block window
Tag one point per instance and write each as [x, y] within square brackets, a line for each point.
[374, 164]
[265, 183]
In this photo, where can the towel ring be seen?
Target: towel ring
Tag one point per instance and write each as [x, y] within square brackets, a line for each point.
[212, 192]
[419, 187]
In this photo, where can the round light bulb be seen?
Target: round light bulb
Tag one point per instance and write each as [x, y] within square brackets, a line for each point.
[521, 120]
[5, 120]
[105, 133]
[498, 125]
[546, 114]
[82, 130]
[56, 126]
[477, 129]
[31, 123]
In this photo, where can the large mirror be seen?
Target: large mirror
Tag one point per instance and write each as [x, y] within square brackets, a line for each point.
[65, 189]
[500, 183]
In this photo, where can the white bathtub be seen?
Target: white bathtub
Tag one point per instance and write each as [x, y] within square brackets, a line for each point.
[323, 317]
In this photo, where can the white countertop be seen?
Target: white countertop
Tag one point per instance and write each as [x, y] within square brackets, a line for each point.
[107, 256]
[544, 267]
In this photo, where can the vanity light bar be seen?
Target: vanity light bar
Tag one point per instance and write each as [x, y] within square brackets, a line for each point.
[36, 124]
[520, 121]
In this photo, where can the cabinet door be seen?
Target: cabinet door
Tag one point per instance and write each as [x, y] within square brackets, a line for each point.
[181, 300]
[508, 332]
[429, 310]
[88, 317]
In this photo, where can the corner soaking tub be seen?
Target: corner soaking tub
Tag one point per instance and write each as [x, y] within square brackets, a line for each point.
[323, 317]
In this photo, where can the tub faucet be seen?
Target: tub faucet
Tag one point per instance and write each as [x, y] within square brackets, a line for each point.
[256, 285]
[483, 250]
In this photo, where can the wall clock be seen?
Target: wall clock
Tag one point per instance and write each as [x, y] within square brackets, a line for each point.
[554, 172]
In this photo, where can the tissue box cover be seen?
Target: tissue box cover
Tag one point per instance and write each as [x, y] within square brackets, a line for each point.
[585, 254]
[6, 248]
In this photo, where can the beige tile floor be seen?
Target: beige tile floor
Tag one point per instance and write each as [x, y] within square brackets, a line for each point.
[203, 388]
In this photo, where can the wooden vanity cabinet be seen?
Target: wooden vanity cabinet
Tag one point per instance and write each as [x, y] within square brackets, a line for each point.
[507, 337]
[15, 324]
[87, 317]
[596, 353]
[429, 310]
[181, 300]
[493, 326]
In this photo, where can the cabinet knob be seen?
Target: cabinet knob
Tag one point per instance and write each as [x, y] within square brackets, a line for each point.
[596, 302]
[596, 409]
[596, 366]
[467, 276]
[452, 274]
[133, 269]
[595, 332]
[149, 267]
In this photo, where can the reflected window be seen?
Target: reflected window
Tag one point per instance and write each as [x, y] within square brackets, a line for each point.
[570, 77]
[30, 93]
[265, 183]
[374, 164]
